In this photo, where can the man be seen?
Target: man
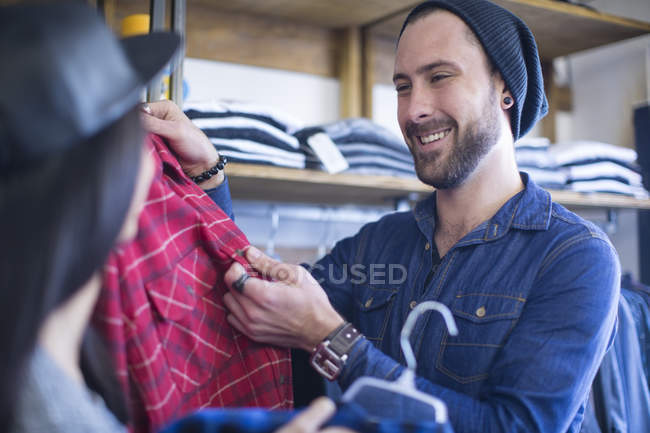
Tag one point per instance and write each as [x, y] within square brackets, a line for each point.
[532, 286]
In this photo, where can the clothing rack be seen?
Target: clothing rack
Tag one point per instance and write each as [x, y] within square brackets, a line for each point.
[157, 23]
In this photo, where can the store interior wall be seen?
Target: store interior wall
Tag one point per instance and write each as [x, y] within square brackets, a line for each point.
[606, 84]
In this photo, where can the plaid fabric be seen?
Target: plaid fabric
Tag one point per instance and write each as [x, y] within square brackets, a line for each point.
[162, 313]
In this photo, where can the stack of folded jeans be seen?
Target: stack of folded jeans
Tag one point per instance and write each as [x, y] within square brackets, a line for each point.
[249, 133]
[642, 140]
[367, 147]
[533, 157]
[600, 167]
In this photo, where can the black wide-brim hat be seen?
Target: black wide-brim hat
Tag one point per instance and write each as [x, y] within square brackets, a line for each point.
[64, 77]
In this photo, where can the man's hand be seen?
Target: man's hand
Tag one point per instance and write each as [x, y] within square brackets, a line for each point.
[191, 146]
[311, 419]
[292, 311]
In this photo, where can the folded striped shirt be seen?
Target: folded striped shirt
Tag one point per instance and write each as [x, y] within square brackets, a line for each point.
[277, 118]
[258, 136]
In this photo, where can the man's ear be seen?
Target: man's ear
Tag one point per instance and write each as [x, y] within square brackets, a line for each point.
[505, 96]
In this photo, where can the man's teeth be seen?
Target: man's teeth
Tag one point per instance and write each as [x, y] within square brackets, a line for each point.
[425, 139]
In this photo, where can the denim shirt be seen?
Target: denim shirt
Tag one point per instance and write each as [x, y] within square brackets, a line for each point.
[534, 291]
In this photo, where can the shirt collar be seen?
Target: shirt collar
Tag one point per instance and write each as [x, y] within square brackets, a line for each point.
[166, 163]
[530, 209]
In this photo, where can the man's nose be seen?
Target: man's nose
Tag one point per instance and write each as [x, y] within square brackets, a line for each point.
[421, 105]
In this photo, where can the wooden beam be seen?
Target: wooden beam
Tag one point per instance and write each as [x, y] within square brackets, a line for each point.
[260, 41]
[350, 74]
[559, 28]
[368, 73]
[563, 97]
[548, 123]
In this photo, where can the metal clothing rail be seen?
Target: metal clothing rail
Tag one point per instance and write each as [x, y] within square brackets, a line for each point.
[157, 23]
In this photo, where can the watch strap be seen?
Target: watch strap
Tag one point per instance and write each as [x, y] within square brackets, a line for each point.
[342, 341]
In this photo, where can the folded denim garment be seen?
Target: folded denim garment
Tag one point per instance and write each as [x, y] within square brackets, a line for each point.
[360, 130]
[547, 178]
[367, 147]
[581, 152]
[608, 186]
[534, 157]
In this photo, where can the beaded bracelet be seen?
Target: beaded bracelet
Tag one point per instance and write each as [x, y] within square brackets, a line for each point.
[209, 173]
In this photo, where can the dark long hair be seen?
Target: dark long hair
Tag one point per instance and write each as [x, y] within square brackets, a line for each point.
[59, 219]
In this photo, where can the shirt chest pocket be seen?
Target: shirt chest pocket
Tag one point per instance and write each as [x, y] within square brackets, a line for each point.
[190, 321]
[373, 309]
[484, 322]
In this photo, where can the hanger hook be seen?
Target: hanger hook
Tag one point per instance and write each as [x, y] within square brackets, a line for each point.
[275, 224]
[412, 318]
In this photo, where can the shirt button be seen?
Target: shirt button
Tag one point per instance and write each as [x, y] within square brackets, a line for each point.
[480, 312]
[413, 304]
[368, 302]
[427, 246]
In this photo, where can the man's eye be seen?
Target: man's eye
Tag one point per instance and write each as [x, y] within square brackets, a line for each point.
[402, 88]
[438, 77]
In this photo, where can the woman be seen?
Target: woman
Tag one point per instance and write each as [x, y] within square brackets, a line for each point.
[73, 178]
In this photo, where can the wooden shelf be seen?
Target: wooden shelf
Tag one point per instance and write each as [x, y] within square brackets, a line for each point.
[574, 199]
[259, 182]
[559, 28]
[331, 14]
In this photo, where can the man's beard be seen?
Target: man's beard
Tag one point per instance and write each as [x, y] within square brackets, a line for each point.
[465, 154]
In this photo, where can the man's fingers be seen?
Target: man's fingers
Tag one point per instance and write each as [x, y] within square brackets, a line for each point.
[236, 323]
[234, 275]
[253, 289]
[235, 307]
[271, 268]
[310, 419]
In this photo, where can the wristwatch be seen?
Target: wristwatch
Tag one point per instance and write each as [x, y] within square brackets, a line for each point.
[328, 358]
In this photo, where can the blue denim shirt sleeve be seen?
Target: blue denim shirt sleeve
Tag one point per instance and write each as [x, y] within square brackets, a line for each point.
[221, 196]
[546, 363]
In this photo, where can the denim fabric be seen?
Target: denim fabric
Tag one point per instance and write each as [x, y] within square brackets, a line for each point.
[635, 384]
[265, 421]
[590, 423]
[359, 130]
[534, 291]
[221, 196]
[621, 396]
[639, 301]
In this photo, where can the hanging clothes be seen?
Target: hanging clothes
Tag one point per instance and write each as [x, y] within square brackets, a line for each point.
[162, 314]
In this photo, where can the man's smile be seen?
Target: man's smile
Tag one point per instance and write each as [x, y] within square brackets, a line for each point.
[434, 136]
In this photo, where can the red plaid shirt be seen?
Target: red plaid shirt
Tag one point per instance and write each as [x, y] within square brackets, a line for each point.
[163, 316]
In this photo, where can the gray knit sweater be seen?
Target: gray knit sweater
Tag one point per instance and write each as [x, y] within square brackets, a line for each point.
[52, 402]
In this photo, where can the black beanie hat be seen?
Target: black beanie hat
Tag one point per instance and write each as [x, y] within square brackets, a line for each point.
[511, 47]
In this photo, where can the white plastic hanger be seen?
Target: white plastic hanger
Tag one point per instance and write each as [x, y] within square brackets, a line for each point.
[405, 384]
[275, 225]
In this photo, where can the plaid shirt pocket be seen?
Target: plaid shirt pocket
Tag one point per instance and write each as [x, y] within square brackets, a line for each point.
[190, 322]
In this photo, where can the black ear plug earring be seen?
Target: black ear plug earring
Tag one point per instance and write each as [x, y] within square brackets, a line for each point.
[507, 100]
